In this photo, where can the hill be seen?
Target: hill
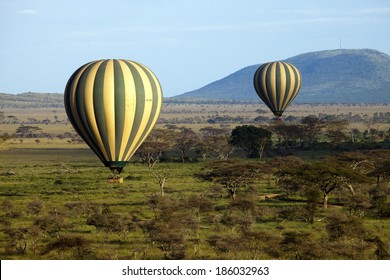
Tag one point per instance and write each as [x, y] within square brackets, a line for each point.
[332, 76]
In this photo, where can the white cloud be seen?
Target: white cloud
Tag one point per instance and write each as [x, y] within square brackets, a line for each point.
[27, 12]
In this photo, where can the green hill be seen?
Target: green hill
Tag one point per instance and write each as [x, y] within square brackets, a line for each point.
[332, 76]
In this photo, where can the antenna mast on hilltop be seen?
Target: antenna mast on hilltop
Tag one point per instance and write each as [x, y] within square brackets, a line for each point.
[340, 43]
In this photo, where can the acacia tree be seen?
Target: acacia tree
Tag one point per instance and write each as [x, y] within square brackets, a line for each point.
[335, 131]
[381, 171]
[252, 139]
[27, 131]
[374, 163]
[289, 135]
[232, 174]
[311, 129]
[326, 175]
[157, 143]
[214, 142]
[282, 162]
[184, 141]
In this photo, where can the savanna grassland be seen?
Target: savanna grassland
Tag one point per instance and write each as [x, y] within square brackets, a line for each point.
[213, 198]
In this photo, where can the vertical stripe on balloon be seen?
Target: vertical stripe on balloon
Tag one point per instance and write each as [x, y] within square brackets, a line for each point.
[113, 105]
[277, 84]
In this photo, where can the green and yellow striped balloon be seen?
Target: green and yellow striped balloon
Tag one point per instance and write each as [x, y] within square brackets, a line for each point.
[277, 84]
[113, 105]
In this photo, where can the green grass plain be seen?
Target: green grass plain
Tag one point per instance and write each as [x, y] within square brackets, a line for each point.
[50, 191]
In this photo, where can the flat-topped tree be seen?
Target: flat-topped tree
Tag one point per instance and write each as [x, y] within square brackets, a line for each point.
[233, 175]
[326, 175]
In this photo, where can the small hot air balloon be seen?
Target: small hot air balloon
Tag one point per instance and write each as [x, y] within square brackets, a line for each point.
[277, 84]
[113, 105]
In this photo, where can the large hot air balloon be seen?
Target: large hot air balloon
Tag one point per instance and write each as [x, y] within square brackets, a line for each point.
[277, 84]
[113, 105]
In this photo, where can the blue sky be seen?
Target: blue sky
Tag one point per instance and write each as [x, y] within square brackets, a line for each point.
[187, 44]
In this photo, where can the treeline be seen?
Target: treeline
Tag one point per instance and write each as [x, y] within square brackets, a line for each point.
[251, 141]
[262, 118]
[311, 133]
[31, 100]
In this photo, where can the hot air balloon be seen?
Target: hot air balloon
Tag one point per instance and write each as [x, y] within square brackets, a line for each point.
[113, 105]
[277, 84]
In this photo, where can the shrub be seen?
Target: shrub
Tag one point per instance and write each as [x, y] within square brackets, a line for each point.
[35, 207]
[79, 247]
[340, 225]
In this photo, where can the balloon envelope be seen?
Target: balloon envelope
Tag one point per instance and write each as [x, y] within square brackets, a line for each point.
[277, 84]
[113, 105]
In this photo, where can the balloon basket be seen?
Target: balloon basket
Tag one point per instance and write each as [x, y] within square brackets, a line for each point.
[277, 120]
[115, 179]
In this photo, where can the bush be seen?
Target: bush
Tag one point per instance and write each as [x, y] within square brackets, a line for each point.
[340, 225]
[301, 245]
[35, 207]
[171, 227]
[51, 225]
[79, 247]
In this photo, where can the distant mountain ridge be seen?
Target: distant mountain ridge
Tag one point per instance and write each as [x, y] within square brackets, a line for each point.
[331, 76]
